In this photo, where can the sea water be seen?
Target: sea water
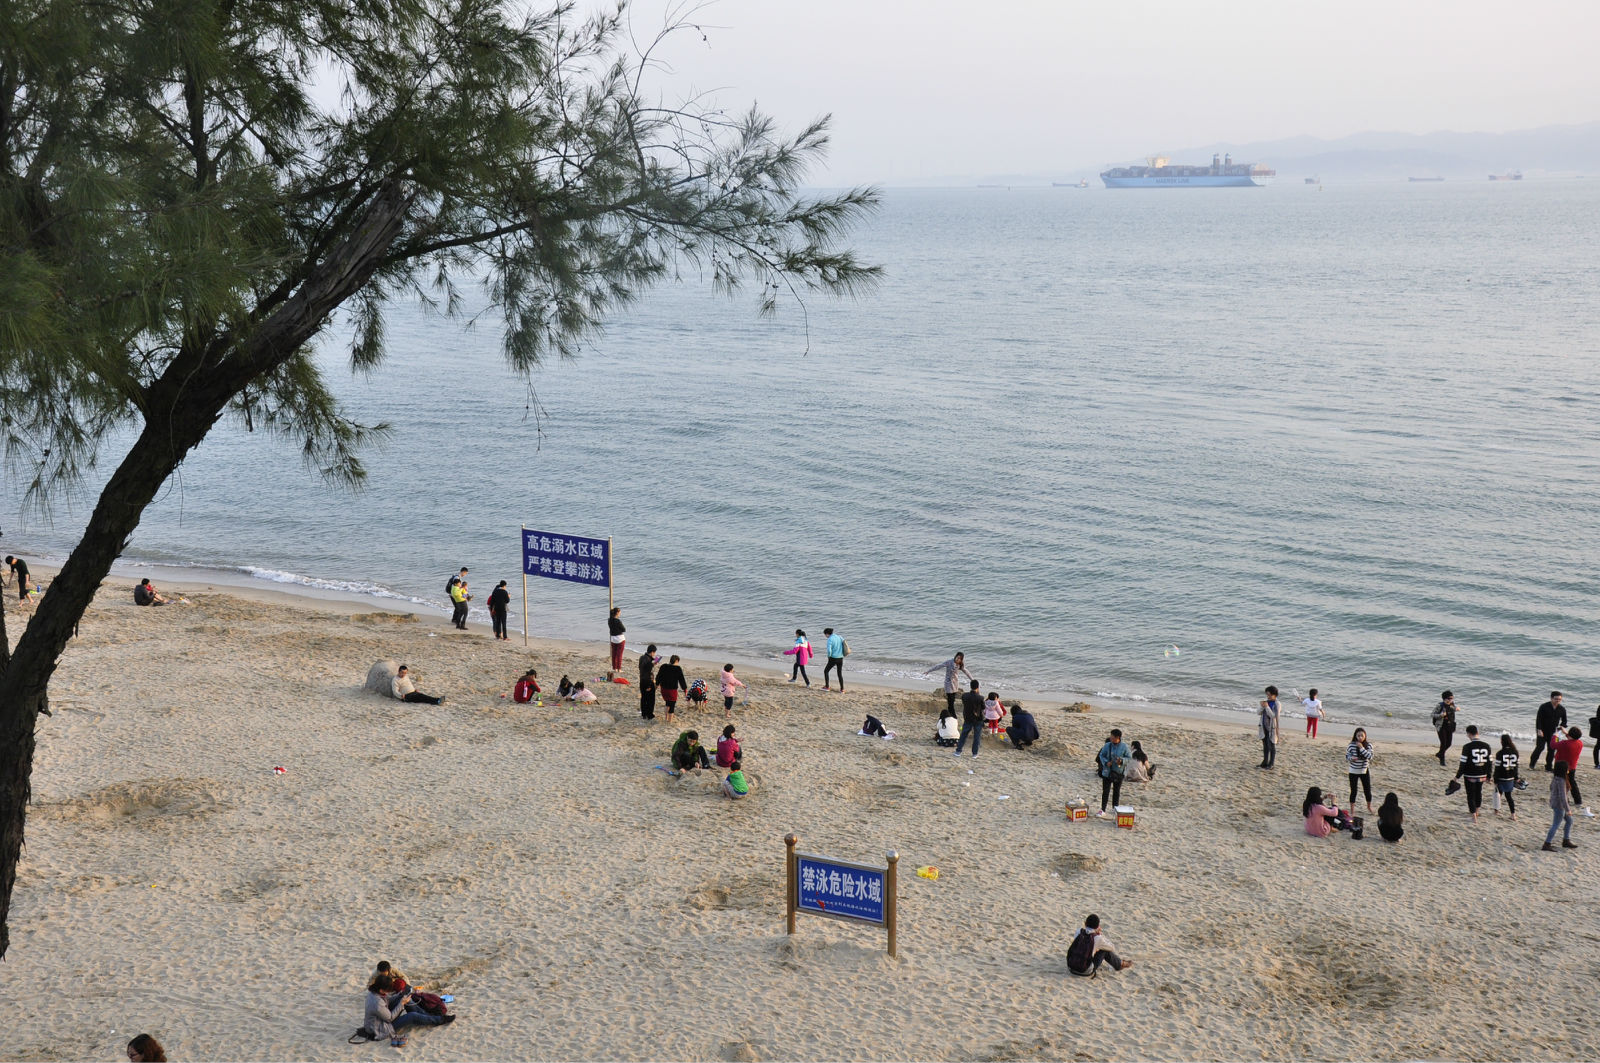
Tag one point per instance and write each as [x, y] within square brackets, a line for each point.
[1340, 438]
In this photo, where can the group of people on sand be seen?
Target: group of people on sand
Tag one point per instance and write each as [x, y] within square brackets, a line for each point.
[688, 755]
[1479, 764]
[1116, 763]
[392, 1005]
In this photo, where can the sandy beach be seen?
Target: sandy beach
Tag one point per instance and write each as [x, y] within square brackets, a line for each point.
[580, 904]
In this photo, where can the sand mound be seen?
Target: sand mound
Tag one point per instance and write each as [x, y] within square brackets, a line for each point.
[145, 802]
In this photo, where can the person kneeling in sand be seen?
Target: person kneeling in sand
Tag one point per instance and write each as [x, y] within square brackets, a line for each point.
[581, 693]
[736, 785]
[1090, 949]
[688, 754]
[527, 687]
[1023, 731]
[144, 594]
[405, 690]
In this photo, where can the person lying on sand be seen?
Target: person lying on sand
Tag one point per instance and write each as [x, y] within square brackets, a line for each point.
[688, 754]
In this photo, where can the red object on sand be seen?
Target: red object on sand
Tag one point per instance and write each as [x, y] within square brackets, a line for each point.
[279, 769]
[620, 679]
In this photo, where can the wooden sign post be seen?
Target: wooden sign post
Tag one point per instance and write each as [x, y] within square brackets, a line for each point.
[841, 889]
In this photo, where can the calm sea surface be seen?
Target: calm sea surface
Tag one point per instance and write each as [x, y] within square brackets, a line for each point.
[1343, 439]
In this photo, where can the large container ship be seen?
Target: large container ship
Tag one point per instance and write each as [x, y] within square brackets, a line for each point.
[1160, 173]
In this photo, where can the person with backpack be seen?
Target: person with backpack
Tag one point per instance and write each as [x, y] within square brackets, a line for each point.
[1505, 774]
[1267, 729]
[1444, 723]
[499, 610]
[1474, 769]
[389, 1012]
[670, 681]
[1113, 762]
[526, 687]
[1358, 756]
[1548, 723]
[838, 649]
[647, 682]
[1090, 949]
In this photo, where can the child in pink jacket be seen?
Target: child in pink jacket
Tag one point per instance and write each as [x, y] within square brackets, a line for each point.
[730, 683]
[801, 652]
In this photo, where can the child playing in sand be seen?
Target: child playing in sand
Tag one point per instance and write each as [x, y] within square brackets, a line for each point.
[688, 754]
[993, 711]
[581, 693]
[526, 687]
[727, 748]
[730, 683]
[564, 688]
[736, 785]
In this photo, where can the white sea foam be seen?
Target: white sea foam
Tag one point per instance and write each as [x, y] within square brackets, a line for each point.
[342, 586]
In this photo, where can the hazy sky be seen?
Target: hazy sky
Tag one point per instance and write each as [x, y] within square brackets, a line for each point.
[923, 88]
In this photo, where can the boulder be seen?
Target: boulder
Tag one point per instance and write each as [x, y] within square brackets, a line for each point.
[380, 678]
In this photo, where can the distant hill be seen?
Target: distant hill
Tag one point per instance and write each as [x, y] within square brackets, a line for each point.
[1560, 150]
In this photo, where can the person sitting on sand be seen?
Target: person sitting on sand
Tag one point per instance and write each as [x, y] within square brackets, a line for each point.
[1390, 819]
[1139, 767]
[688, 754]
[1320, 813]
[581, 693]
[403, 688]
[146, 1049]
[387, 1013]
[564, 688]
[1023, 731]
[526, 687]
[1090, 948]
[736, 785]
[727, 748]
[145, 594]
[949, 727]
[400, 983]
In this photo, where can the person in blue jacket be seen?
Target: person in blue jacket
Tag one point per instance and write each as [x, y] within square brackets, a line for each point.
[836, 652]
[1023, 731]
[1113, 760]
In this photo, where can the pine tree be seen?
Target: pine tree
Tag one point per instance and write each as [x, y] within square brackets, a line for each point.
[192, 190]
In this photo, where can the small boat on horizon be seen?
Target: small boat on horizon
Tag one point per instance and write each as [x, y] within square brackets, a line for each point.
[1416, 179]
[1514, 175]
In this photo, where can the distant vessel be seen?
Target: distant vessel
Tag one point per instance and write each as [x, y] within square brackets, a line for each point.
[1160, 173]
[1415, 179]
[1080, 183]
[1514, 175]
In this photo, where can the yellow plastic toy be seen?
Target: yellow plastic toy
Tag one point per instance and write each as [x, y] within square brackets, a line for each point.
[929, 872]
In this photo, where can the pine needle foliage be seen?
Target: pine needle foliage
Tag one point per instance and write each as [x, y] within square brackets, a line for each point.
[192, 190]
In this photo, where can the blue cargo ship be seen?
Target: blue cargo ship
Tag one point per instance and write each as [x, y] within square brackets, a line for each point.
[1160, 173]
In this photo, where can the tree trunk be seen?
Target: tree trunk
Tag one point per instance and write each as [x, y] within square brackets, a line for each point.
[183, 406]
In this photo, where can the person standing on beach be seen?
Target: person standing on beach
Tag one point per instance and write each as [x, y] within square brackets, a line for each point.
[1113, 761]
[1548, 723]
[647, 682]
[18, 568]
[459, 598]
[1358, 755]
[1505, 775]
[836, 653]
[1267, 729]
[971, 719]
[1313, 707]
[1444, 722]
[619, 640]
[1561, 806]
[730, 683]
[951, 667]
[669, 681]
[801, 652]
[1569, 751]
[1475, 768]
[499, 609]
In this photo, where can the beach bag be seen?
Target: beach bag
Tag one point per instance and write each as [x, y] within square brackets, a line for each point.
[1081, 952]
[873, 727]
[1594, 727]
[1455, 785]
[1356, 826]
[431, 1003]
[451, 585]
[364, 1034]
[847, 649]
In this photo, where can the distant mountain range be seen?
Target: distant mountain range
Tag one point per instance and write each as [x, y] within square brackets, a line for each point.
[1559, 150]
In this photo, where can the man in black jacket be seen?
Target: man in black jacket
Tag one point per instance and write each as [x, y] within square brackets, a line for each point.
[971, 719]
[647, 682]
[1548, 724]
[1023, 731]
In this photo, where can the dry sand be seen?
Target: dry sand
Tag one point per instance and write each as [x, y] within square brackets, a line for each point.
[580, 904]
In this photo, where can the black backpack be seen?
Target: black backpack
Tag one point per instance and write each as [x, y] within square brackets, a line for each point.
[1081, 952]
[366, 1033]
[1594, 727]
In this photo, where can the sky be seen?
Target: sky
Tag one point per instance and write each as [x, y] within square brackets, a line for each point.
[920, 89]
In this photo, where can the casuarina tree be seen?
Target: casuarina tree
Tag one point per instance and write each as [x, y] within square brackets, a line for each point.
[193, 191]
